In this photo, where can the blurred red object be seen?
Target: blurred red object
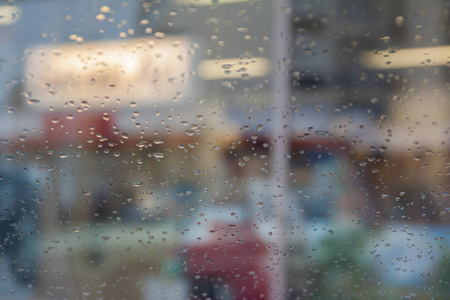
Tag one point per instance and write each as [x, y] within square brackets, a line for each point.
[233, 256]
[93, 128]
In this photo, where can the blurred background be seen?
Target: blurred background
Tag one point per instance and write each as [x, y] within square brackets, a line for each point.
[224, 149]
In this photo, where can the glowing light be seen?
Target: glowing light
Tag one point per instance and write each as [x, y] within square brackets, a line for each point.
[406, 58]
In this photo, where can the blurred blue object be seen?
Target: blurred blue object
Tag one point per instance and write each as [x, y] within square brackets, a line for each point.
[19, 207]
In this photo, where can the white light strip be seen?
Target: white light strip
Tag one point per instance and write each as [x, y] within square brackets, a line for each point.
[9, 15]
[216, 69]
[406, 58]
[210, 2]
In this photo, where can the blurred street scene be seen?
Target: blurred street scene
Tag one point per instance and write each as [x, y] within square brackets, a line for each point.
[171, 149]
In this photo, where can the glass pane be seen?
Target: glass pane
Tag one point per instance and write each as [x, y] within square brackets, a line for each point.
[224, 149]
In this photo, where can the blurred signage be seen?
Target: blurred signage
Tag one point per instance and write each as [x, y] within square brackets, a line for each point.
[108, 73]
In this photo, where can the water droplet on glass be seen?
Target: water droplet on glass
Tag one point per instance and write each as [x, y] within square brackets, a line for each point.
[105, 9]
[399, 20]
[158, 155]
[189, 132]
[160, 35]
[100, 17]
[158, 142]
[33, 101]
[321, 132]
[64, 155]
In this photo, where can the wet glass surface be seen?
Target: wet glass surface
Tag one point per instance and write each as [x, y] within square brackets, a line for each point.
[224, 149]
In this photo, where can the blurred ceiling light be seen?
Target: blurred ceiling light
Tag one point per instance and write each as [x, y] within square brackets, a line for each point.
[142, 70]
[210, 2]
[406, 58]
[9, 15]
[215, 69]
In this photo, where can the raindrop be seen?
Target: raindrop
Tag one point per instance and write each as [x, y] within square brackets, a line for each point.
[33, 101]
[158, 142]
[100, 17]
[158, 155]
[64, 155]
[189, 132]
[160, 35]
[321, 132]
[399, 20]
[105, 9]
